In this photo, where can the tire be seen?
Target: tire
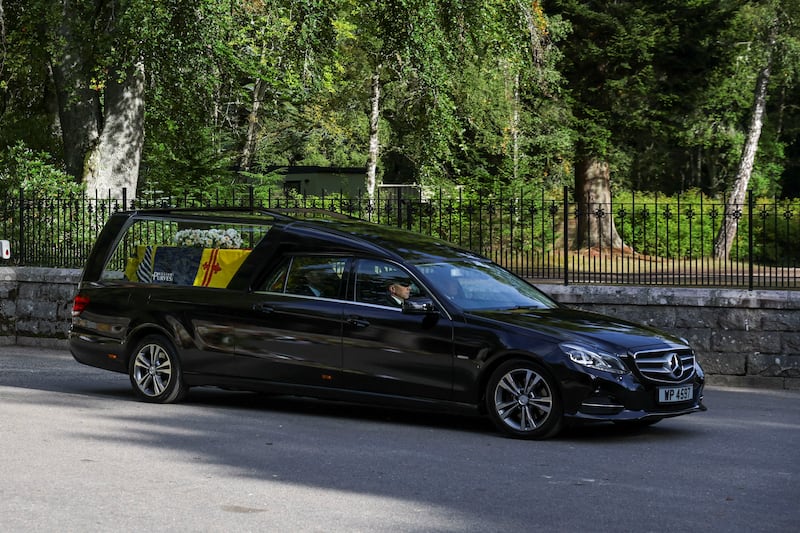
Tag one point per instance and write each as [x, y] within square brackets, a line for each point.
[155, 371]
[523, 401]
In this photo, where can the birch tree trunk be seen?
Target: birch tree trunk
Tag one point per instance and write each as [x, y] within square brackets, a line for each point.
[515, 128]
[372, 157]
[730, 223]
[249, 148]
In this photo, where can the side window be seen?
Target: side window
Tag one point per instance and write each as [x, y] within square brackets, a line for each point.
[277, 280]
[317, 276]
[383, 283]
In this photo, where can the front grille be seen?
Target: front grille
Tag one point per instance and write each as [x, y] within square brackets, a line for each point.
[665, 366]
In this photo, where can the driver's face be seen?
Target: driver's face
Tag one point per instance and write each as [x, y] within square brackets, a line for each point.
[400, 291]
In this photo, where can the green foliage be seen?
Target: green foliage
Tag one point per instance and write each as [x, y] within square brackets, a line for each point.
[665, 226]
[776, 229]
[182, 160]
[486, 93]
[48, 195]
[33, 172]
[684, 226]
[26, 97]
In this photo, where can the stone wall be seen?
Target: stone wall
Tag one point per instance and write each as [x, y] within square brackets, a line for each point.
[742, 338]
[36, 305]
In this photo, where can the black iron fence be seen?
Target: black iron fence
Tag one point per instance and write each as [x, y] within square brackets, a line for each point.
[641, 241]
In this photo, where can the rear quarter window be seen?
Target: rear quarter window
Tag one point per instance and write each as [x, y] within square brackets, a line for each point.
[203, 253]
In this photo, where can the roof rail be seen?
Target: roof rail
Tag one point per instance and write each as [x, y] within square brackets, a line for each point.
[308, 211]
[280, 213]
[202, 210]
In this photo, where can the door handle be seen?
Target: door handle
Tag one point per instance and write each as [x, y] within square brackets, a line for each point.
[263, 308]
[357, 321]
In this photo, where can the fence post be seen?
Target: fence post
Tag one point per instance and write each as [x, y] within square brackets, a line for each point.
[750, 239]
[566, 235]
[21, 252]
[399, 207]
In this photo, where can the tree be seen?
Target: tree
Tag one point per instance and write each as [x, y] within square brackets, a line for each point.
[280, 53]
[101, 60]
[452, 86]
[188, 147]
[396, 55]
[98, 73]
[409, 56]
[636, 71]
[607, 65]
[511, 122]
[374, 139]
[89, 61]
[767, 19]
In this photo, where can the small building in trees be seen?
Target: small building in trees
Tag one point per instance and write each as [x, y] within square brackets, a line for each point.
[322, 181]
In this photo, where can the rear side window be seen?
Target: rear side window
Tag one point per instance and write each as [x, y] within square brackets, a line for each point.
[182, 252]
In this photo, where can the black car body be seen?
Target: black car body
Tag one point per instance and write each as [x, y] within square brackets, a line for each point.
[258, 300]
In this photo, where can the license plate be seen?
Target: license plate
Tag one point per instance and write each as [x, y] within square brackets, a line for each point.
[674, 394]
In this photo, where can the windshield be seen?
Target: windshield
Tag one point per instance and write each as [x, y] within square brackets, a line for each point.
[480, 285]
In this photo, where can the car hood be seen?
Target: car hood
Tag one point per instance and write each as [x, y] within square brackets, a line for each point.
[567, 325]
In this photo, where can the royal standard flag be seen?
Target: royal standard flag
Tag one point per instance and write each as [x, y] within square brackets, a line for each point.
[217, 266]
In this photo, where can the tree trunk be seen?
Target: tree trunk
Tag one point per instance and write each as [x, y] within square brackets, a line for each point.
[596, 227]
[113, 163]
[103, 137]
[372, 158]
[78, 104]
[730, 223]
[249, 148]
[515, 128]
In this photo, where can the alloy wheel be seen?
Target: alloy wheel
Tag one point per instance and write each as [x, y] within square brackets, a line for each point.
[155, 372]
[523, 401]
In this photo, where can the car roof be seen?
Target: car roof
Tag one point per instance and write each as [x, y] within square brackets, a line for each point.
[375, 239]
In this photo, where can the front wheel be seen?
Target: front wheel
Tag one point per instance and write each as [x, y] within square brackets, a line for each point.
[523, 401]
[155, 371]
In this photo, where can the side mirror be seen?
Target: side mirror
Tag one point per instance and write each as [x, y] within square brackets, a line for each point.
[419, 305]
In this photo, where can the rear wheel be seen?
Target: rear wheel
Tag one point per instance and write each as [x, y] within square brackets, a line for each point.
[155, 371]
[523, 401]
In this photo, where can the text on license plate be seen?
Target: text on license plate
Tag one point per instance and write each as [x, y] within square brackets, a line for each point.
[674, 394]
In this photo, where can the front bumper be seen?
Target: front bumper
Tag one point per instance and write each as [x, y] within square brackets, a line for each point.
[600, 396]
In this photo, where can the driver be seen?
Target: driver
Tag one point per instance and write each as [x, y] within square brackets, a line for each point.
[398, 291]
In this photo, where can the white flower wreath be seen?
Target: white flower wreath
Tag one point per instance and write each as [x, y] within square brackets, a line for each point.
[208, 238]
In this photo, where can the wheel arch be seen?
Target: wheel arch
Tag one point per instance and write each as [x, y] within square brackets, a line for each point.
[491, 366]
[140, 332]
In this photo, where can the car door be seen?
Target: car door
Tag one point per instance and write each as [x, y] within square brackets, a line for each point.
[287, 331]
[386, 351]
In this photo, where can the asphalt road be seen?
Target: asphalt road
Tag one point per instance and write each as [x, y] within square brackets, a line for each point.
[78, 453]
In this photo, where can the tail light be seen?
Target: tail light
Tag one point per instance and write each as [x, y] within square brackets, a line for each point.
[79, 304]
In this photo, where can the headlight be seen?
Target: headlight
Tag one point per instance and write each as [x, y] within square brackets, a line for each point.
[594, 359]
